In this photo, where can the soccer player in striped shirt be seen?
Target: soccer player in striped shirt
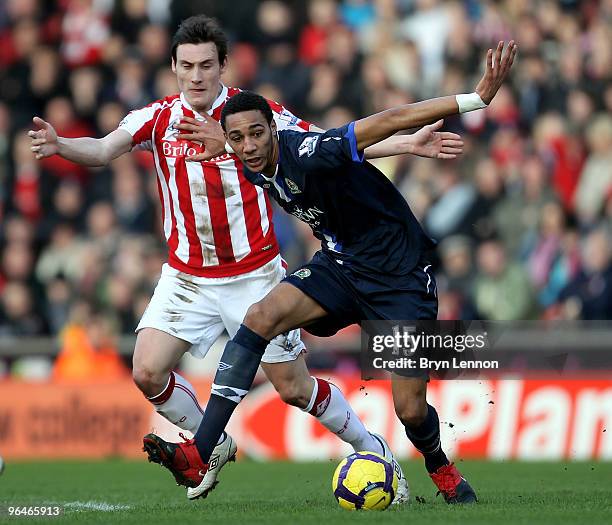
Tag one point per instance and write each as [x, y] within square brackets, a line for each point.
[222, 252]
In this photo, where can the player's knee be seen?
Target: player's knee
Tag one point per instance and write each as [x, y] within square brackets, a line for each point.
[149, 382]
[412, 414]
[262, 319]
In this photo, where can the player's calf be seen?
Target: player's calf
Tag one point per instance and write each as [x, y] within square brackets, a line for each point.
[295, 391]
[426, 439]
[412, 415]
[323, 400]
[178, 403]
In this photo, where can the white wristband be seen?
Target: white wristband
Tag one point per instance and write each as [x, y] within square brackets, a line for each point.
[469, 102]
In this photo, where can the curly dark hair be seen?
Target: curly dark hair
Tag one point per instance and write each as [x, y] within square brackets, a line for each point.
[246, 101]
[200, 29]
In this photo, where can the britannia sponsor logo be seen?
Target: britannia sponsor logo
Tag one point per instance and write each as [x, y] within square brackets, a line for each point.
[180, 148]
[221, 158]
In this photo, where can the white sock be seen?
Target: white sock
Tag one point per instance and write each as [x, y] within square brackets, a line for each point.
[178, 403]
[331, 408]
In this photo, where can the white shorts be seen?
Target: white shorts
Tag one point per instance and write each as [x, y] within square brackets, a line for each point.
[199, 309]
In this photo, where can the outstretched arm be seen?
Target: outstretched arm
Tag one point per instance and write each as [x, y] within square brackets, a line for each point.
[427, 142]
[85, 150]
[378, 127]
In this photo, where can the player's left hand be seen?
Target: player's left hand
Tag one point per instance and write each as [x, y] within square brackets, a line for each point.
[207, 132]
[427, 142]
[497, 68]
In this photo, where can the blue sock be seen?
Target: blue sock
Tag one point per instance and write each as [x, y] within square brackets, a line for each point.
[426, 439]
[234, 377]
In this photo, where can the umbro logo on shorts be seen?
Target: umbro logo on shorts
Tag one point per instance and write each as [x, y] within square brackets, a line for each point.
[302, 273]
[223, 366]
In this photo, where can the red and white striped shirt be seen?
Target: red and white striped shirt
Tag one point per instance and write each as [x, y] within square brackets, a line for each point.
[216, 223]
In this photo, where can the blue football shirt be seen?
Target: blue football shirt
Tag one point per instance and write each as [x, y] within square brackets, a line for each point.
[362, 220]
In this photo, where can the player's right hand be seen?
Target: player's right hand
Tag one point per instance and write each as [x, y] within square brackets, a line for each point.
[496, 70]
[44, 139]
[207, 132]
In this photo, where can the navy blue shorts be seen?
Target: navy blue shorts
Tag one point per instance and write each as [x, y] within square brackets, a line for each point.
[350, 297]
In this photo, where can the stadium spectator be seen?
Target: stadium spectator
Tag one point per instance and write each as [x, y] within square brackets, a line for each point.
[596, 180]
[61, 257]
[589, 294]
[457, 266]
[314, 39]
[502, 291]
[517, 214]
[455, 198]
[18, 316]
[84, 31]
[88, 349]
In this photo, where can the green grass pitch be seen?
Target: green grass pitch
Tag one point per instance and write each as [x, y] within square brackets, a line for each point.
[117, 491]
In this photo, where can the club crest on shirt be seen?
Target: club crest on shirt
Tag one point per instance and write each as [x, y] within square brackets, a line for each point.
[302, 273]
[308, 145]
[171, 129]
[293, 187]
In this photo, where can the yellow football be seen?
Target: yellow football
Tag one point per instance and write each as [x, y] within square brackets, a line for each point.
[364, 480]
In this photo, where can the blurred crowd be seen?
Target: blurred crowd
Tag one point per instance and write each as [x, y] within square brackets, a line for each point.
[524, 217]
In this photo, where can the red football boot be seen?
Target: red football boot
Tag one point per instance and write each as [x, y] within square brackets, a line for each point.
[182, 459]
[452, 485]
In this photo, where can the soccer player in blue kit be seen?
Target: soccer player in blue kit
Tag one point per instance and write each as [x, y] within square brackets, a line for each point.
[372, 264]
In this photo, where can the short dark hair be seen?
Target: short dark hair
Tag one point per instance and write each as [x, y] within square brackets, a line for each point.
[200, 29]
[246, 101]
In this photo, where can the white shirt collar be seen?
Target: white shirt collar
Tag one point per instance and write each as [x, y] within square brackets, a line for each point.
[218, 101]
[273, 176]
